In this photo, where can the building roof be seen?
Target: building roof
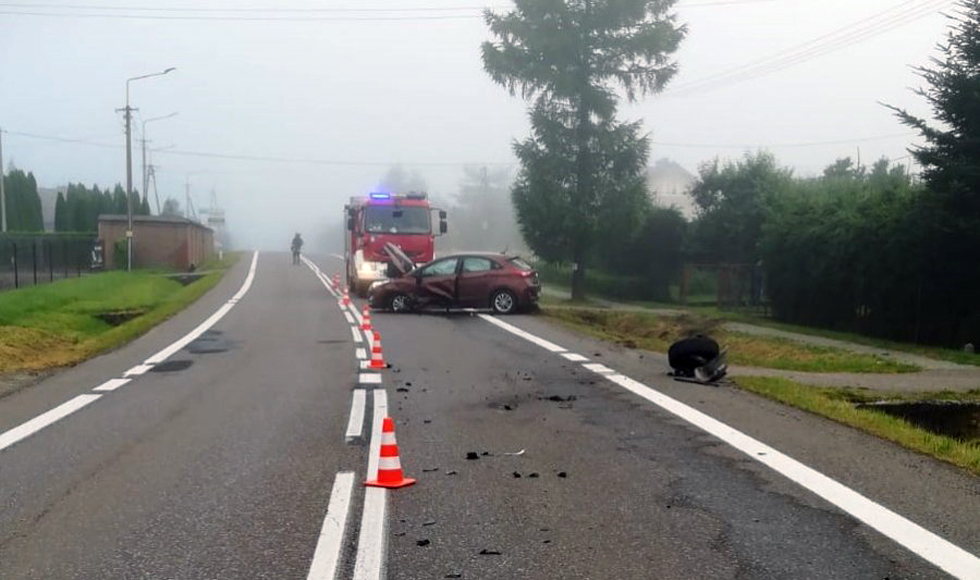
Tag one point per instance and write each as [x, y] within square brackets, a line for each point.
[152, 219]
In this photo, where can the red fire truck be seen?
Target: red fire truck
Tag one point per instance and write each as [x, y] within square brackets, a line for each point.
[372, 221]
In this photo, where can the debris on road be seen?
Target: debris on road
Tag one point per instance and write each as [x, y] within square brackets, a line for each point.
[559, 398]
[486, 552]
[517, 474]
[562, 474]
[452, 472]
[472, 455]
[534, 475]
[514, 453]
[422, 542]
[429, 523]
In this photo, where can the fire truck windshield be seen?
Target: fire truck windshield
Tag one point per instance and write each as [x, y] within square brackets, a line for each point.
[389, 219]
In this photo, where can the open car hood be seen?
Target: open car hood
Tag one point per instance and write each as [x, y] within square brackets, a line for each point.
[399, 259]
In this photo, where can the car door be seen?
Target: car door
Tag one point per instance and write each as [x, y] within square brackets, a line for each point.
[437, 281]
[476, 280]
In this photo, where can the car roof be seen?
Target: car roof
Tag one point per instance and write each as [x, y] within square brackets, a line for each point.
[476, 255]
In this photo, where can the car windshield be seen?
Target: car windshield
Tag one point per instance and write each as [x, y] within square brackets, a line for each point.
[390, 219]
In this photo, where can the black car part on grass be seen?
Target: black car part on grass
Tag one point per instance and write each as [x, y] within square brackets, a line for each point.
[698, 359]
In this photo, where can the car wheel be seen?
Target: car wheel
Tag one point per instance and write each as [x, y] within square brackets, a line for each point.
[400, 303]
[503, 302]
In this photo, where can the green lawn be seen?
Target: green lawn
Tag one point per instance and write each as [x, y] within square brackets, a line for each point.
[65, 322]
[838, 405]
[656, 332]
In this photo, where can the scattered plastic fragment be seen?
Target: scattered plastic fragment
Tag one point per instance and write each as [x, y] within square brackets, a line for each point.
[422, 543]
[486, 552]
[472, 455]
[514, 453]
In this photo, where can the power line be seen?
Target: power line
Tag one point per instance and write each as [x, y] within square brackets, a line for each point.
[856, 32]
[263, 158]
[362, 163]
[272, 14]
[782, 145]
[302, 10]
[240, 18]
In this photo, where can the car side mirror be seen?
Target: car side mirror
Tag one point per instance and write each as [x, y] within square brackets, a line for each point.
[443, 228]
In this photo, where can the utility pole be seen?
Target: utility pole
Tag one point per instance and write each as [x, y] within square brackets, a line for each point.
[129, 166]
[3, 194]
[145, 191]
[146, 175]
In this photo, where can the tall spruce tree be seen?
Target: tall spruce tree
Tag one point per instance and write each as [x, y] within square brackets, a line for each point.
[948, 214]
[570, 57]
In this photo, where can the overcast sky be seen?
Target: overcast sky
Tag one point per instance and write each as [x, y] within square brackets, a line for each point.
[367, 92]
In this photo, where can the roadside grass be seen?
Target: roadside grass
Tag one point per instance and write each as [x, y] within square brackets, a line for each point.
[939, 353]
[839, 405]
[66, 322]
[657, 332]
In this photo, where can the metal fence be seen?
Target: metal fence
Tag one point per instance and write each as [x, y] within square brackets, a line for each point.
[31, 259]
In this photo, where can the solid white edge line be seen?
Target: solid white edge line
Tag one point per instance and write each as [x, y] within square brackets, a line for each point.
[356, 333]
[111, 385]
[599, 368]
[523, 334]
[72, 405]
[371, 544]
[326, 557]
[211, 320]
[575, 357]
[929, 546]
[350, 319]
[355, 423]
[34, 425]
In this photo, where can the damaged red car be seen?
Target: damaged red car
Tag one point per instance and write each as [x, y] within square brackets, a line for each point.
[501, 283]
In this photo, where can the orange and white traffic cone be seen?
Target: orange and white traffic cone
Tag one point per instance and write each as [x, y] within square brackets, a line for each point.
[389, 466]
[345, 301]
[336, 280]
[377, 358]
[366, 319]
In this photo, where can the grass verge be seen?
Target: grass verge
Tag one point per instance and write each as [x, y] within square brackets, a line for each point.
[656, 332]
[935, 352]
[66, 322]
[838, 405]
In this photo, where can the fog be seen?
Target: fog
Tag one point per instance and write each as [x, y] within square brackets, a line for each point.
[286, 119]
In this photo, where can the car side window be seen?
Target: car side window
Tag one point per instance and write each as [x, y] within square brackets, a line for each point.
[471, 265]
[440, 268]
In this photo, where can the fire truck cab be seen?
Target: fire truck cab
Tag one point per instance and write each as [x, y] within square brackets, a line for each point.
[381, 218]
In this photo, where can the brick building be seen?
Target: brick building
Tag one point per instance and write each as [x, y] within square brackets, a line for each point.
[158, 241]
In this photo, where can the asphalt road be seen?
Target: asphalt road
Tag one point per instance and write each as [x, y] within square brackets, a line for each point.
[221, 462]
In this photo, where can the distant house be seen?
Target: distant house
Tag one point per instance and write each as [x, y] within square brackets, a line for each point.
[670, 184]
[158, 241]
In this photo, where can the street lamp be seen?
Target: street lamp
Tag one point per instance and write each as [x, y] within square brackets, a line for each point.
[146, 181]
[129, 166]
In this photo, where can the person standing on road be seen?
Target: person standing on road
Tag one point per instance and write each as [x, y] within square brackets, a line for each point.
[297, 245]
